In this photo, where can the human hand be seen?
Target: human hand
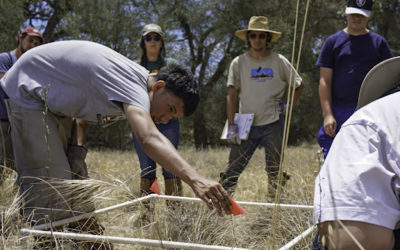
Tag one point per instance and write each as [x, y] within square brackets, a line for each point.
[233, 134]
[283, 107]
[76, 158]
[213, 194]
[330, 125]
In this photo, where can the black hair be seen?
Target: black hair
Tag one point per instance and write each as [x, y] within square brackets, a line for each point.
[144, 60]
[181, 82]
[269, 38]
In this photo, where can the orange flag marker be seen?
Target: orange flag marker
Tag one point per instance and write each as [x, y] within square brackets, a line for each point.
[154, 187]
[237, 209]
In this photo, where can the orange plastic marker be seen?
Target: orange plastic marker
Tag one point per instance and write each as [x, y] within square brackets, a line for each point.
[154, 187]
[237, 209]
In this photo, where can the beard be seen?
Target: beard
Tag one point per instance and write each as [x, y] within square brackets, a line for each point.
[22, 49]
[258, 49]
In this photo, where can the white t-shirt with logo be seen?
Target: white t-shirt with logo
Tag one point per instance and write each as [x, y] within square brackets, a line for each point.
[261, 84]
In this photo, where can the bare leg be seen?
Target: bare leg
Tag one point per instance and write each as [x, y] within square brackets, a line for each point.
[341, 234]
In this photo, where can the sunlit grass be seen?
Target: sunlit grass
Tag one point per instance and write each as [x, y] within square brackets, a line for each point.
[115, 179]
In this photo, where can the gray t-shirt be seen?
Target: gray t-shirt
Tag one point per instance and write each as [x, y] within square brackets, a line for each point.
[79, 79]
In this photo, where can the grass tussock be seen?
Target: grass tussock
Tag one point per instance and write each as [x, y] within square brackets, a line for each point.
[115, 179]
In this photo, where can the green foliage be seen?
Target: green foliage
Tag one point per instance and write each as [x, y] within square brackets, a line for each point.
[200, 35]
[11, 19]
[117, 136]
[386, 22]
[112, 23]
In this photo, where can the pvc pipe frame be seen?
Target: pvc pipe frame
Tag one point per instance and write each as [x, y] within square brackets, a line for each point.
[36, 230]
[300, 237]
[124, 240]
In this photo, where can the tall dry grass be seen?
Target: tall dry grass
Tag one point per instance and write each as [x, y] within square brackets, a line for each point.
[115, 179]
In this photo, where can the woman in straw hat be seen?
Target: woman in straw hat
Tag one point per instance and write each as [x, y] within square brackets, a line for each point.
[257, 81]
[357, 190]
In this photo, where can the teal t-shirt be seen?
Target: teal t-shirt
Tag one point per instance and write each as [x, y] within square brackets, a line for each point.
[154, 67]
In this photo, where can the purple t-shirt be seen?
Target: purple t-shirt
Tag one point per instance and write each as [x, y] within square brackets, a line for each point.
[351, 57]
[7, 59]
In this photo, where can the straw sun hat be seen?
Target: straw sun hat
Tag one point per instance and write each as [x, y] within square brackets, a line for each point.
[258, 23]
[379, 80]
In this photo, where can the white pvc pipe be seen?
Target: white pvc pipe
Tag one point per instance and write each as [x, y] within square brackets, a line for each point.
[245, 203]
[36, 230]
[296, 240]
[123, 240]
[87, 215]
[166, 197]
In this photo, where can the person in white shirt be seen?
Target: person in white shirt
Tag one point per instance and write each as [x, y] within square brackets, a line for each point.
[356, 197]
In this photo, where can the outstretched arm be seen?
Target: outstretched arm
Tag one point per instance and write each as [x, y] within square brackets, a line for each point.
[160, 149]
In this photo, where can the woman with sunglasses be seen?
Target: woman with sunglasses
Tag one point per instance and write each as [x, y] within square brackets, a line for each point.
[153, 52]
[257, 81]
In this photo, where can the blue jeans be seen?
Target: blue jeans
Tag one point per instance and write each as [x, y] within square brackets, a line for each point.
[147, 165]
[341, 115]
[268, 136]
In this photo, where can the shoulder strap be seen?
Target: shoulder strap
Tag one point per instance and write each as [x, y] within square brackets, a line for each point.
[9, 55]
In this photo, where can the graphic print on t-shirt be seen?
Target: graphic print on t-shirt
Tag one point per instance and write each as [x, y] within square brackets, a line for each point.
[261, 74]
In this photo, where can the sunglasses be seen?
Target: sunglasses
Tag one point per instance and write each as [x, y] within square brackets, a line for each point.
[148, 38]
[260, 36]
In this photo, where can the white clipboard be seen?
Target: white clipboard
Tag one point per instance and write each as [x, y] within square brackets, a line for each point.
[244, 122]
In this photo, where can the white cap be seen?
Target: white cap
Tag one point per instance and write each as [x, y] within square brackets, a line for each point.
[352, 10]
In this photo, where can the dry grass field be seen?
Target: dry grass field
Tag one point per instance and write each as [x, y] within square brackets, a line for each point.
[115, 179]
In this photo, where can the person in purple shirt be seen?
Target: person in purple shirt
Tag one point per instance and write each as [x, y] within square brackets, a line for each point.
[345, 59]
